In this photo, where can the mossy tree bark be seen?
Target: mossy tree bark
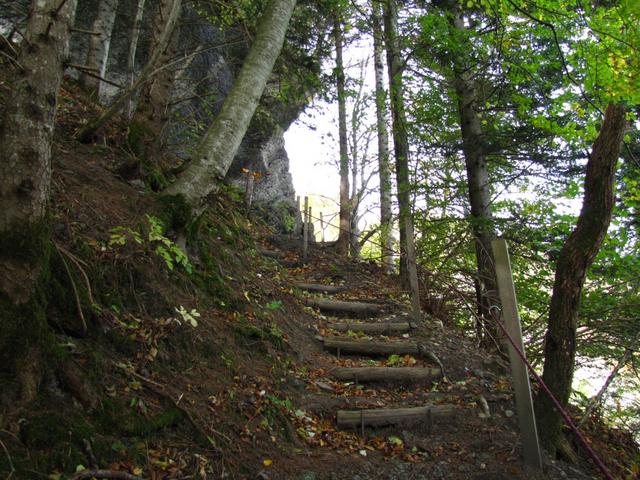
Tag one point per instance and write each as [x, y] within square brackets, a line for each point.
[148, 72]
[386, 216]
[576, 256]
[342, 245]
[25, 177]
[214, 154]
[395, 63]
[99, 44]
[151, 111]
[479, 191]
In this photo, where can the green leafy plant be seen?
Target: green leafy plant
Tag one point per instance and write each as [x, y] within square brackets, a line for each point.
[171, 253]
[188, 316]
[274, 305]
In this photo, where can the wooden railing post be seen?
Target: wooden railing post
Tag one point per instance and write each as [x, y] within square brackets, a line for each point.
[519, 373]
[296, 228]
[248, 193]
[305, 230]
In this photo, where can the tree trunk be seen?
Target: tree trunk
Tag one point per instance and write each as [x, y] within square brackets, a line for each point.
[131, 57]
[342, 245]
[151, 68]
[408, 267]
[215, 152]
[25, 177]
[98, 52]
[386, 238]
[479, 195]
[150, 115]
[575, 258]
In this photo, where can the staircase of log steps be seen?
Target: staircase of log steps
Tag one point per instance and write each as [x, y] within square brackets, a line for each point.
[361, 333]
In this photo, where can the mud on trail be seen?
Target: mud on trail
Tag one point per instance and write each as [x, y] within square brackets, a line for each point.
[193, 348]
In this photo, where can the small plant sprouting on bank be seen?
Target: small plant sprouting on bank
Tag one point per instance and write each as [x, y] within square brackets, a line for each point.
[274, 305]
[166, 248]
[171, 253]
[187, 316]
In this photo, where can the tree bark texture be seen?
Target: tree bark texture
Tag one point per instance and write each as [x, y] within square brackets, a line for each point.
[373, 348]
[215, 152]
[479, 194]
[339, 306]
[151, 110]
[131, 57]
[98, 51]
[25, 178]
[25, 136]
[384, 328]
[386, 215]
[386, 374]
[150, 69]
[408, 266]
[576, 256]
[342, 245]
[379, 417]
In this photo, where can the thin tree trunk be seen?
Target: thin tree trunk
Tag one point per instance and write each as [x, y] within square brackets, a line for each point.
[628, 355]
[92, 127]
[575, 258]
[98, 51]
[386, 238]
[215, 152]
[342, 245]
[408, 267]
[151, 111]
[131, 57]
[25, 178]
[479, 195]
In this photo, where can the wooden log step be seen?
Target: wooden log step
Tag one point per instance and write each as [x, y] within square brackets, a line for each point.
[379, 417]
[271, 253]
[314, 287]
[372, 347]
[388, 328]
[352, 308]
[386, 374]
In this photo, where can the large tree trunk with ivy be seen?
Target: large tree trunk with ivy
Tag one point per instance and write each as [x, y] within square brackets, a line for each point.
[214, 154]
[150, 114]
[408, 267]
[25, 178]
[386, 218]
[99, 44]
[576, 256]
[342, 245]
[479, 193]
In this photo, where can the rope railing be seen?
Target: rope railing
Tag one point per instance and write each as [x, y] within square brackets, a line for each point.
[493, 309]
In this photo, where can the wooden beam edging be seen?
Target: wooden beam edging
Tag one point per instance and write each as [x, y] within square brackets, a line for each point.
[519, 373]
[377, 417]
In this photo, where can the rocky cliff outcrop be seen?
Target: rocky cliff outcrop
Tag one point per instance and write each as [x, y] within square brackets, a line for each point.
[202, 81]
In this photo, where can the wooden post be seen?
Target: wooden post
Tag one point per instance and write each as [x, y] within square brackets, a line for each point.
[520, 376]
[322, 225]
[305, 230]
[248, 193]
[296, 228]
[311, 234]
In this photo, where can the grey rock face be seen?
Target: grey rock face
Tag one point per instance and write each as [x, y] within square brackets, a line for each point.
[197, 97]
